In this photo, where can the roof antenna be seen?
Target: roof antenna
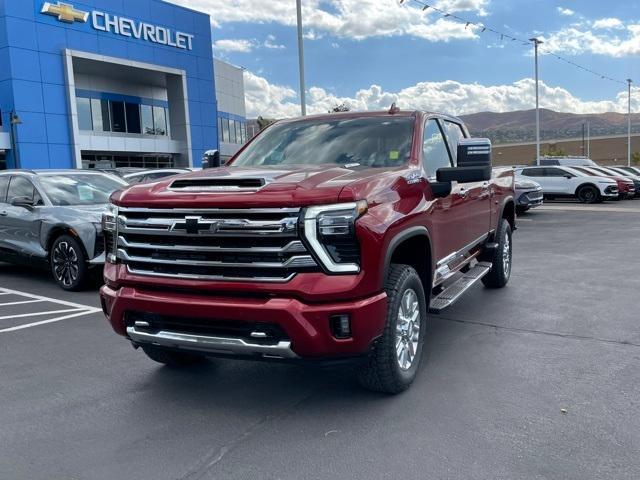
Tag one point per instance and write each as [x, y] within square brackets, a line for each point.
[394, 109]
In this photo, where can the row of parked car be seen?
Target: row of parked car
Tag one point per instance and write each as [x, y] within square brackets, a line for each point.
[578, 178]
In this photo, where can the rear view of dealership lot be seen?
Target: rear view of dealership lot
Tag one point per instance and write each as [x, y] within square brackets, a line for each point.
[539, 379]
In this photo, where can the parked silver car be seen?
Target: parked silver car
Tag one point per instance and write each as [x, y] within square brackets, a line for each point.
[53, 218]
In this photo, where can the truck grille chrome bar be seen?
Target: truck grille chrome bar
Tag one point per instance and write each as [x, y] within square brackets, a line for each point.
[213, 244]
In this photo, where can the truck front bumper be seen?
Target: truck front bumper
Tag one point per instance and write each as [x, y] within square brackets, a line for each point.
[307, 331]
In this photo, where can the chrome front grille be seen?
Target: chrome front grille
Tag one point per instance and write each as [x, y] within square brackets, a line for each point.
[213, 244]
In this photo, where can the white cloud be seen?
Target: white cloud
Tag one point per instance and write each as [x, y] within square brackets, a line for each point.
[236, 46]
[605, 23]
[276, 101]
[576, 41]
[356, 19]
[270, 43]
[567, 12]
[245, 46]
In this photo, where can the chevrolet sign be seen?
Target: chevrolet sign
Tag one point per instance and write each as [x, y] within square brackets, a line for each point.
[122, 26]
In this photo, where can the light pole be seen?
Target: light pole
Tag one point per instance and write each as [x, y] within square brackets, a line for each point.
[303, 99]
[629, 126]
[536, 43]
[14, 120]
[588, 139]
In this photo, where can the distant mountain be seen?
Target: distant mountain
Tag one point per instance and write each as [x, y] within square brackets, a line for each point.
[519, 126]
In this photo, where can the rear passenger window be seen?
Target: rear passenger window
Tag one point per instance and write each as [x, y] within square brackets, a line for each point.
[533, 172]
[555, 172]
[454, 134]
[4, 186]
[434, 149]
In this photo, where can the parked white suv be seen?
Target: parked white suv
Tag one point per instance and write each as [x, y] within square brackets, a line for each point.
[559, 181]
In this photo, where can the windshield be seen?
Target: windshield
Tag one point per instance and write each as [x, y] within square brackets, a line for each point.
[79, 189]
[369, 142]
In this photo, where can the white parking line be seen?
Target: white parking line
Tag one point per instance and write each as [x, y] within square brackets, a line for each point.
[51, 312]
[22, 302]
[44, 299]
[74, 310]
[43, 322]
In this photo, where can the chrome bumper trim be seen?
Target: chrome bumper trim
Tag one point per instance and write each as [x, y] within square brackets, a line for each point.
[219, 345]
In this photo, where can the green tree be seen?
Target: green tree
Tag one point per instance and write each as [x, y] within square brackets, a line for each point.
[554, 151]
[340, 108]
[635, 158]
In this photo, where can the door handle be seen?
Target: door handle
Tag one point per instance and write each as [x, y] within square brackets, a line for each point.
[463, 192]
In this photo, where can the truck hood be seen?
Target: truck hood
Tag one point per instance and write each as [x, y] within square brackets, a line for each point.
[246, 187]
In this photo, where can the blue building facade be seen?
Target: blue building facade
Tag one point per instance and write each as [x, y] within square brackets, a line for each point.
[99, 83]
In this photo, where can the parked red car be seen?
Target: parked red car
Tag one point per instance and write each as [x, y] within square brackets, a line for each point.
[326, 239]
[626, 186]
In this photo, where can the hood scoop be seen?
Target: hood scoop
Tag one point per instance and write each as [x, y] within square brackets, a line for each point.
[218, 184]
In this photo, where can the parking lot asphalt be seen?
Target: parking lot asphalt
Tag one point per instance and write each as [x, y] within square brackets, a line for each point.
[540, 380]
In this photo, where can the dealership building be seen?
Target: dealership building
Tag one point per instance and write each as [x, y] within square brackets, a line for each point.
[113, 83]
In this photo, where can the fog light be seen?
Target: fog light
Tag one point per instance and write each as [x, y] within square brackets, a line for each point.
[340, 326]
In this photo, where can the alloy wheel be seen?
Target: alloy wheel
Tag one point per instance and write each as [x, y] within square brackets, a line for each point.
[65, 264]
[408, 329]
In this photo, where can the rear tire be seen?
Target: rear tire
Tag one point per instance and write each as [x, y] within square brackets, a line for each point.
[69, 263]
[171, 357]
[501, 258]
[395, 358]
[588, 194]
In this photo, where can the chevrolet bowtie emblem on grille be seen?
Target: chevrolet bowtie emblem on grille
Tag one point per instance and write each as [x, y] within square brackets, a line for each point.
[194, 225]
[65, 12]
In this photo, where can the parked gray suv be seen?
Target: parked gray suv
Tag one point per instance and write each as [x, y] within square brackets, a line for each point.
[52, 218]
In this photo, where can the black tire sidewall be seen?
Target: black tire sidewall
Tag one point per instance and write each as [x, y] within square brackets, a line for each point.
[497, 278]
[586, 200]
[83, 269]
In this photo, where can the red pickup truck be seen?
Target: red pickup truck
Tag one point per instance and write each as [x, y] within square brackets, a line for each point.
[326, 239]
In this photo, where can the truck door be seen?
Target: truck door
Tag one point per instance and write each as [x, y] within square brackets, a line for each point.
[449, 213]
[478, 194]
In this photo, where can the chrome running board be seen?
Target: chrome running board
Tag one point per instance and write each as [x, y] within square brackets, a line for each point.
[212, 345]
[454, 291]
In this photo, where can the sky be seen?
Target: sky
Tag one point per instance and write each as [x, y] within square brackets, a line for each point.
[368, 54]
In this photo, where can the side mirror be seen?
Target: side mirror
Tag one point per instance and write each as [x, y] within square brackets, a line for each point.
[211, 159]
[464, 174]
[474, 152]
[25, 202]
[567, 176]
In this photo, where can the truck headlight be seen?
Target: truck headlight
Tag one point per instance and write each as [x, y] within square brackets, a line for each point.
[110, 232]
[330, 231]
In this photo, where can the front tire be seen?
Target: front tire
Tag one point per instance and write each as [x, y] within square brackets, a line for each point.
[394, 361]
[588, 194]
[172, 358]
[69, 263]
[501, 258]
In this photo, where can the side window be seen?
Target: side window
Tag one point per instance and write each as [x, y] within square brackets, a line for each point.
[19, 187]
[533, 172]
[434, 150]
[4, 186]
[555, 172]
[454, 135]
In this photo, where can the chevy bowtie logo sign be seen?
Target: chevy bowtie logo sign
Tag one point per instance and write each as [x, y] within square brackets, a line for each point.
[123, 26]
[65, 12]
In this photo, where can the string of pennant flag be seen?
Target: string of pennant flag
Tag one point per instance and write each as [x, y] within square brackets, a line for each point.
[482, 28]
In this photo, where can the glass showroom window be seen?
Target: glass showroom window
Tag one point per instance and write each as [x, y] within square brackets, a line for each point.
[244, 133]
[146, 112]
[232, 131]
[118, 121]
[100, 115]
[84, 114]
[225, 130]
[133, 117]
[159, 121]
[220, 129]
[238, 132]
